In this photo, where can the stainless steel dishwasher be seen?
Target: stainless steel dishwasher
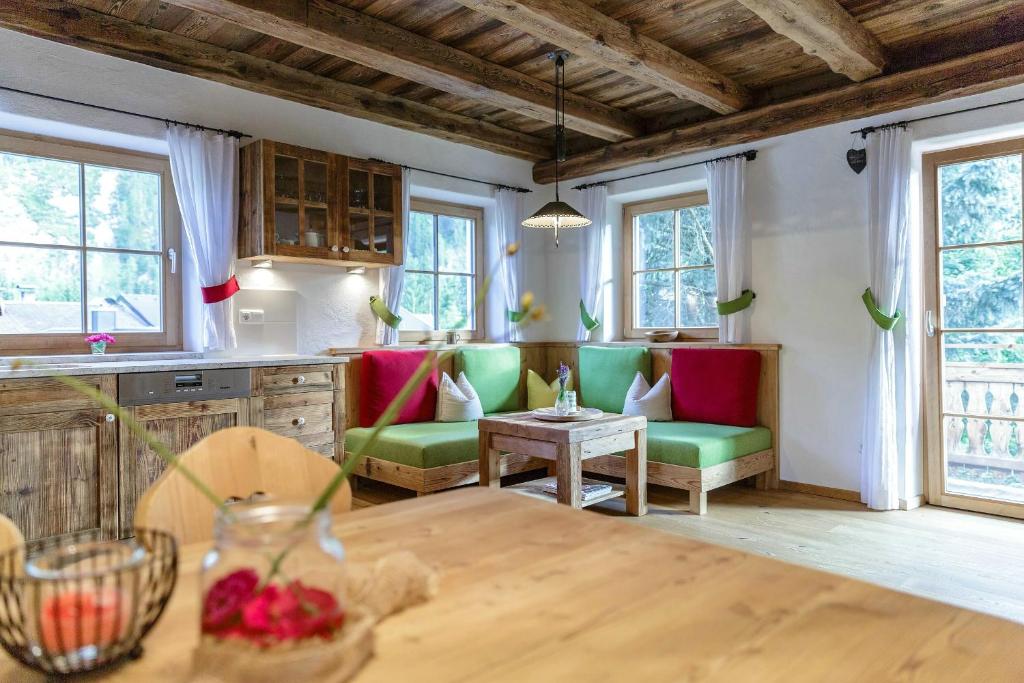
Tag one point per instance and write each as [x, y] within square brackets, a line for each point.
[180, 408]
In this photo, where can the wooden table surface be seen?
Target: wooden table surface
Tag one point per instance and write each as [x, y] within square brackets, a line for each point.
[532, 591]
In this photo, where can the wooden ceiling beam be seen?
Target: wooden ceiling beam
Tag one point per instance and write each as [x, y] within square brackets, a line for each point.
[579, 28]
[343, 32]
[823, 28]
[977, 73]
[63, 22]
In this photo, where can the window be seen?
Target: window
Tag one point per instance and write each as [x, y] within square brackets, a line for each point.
[444, 244]
[670, 267]
[84, 239]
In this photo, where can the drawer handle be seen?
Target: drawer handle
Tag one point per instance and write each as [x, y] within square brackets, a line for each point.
[299, 421]
[109, 417]
[301, 379]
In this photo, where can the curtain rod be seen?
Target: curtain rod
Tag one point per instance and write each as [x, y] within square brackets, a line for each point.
[749, 155]
[864, 132]
[456, 177]
[232, 133]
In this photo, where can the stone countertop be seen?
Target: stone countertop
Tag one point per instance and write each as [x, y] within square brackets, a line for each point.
[47, 366]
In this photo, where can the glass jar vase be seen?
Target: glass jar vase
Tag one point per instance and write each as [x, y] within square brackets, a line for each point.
[274, 577]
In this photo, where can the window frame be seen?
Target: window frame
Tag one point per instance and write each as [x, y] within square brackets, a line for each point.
[476, 214]
[170, 338]
[629, 271]
[932, 411]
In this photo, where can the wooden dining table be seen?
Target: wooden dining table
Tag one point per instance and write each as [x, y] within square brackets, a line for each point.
[532, 591]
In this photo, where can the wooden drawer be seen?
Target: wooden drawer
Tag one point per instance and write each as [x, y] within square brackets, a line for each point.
[297, 379]
[46, 395]
[300, 420]
[321, 443]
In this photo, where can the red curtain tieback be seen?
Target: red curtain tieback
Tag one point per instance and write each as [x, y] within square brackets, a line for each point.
[212, 295]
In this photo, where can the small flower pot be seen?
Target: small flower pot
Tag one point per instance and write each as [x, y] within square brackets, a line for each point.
[99, 348]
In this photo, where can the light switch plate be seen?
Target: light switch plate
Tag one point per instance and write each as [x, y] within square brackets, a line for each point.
[250, 315]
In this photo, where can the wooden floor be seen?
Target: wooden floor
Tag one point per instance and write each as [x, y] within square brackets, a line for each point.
[965, 559]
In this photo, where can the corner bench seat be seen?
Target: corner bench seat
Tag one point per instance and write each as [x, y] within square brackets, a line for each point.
[428, 456]
[426, 445]
[419, 444]
[697, 444]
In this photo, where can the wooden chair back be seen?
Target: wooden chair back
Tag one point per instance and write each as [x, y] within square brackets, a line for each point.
[10, 535]
[235, 463]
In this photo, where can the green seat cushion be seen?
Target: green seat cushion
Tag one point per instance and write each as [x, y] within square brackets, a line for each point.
[605, 374]
[698, 444]
[419, 444]
[494, 373]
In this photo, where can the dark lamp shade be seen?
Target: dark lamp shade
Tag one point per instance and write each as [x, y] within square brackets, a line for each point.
[556, 215]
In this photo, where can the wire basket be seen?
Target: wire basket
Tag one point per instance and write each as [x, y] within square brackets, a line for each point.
[77, 603]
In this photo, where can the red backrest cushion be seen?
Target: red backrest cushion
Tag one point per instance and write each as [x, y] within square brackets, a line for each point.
[717, 386]
[384, 374]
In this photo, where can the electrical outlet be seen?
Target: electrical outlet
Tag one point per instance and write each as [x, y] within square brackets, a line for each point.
[250, 315]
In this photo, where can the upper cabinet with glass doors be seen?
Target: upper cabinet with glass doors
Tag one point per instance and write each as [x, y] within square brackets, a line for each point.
[306, 205]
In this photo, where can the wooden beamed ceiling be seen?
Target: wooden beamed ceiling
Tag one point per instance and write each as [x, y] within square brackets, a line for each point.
[647, 80]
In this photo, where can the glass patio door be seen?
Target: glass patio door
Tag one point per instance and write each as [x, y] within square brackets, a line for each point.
[974, 251]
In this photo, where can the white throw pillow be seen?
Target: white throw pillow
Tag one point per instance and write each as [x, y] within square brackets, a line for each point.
[653, 403]
[457, 401]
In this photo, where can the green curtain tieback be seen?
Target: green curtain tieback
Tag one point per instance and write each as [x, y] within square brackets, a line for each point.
[738, 304]
[589, 324]
[515, 316]
[886, 322]
[381, 310]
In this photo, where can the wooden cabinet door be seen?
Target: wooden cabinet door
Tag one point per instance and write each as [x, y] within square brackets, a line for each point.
[179, 426]
[372, 213]
[58, 458]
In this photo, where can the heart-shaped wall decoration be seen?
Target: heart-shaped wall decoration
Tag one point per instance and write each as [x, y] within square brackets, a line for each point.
[857, 159]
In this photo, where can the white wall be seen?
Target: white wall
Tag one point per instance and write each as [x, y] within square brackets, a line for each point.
[332, 307]
[809, 223]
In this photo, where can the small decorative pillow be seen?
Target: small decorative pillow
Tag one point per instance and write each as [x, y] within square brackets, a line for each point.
[653, 403]
[540, 394]
[457, 401]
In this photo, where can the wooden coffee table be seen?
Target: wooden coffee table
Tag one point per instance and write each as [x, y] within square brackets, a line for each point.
[567, 445]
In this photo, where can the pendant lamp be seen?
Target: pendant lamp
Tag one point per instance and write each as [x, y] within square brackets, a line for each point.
[557, 214]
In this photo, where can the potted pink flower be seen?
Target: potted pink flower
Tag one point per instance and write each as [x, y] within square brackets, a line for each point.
[99, 342]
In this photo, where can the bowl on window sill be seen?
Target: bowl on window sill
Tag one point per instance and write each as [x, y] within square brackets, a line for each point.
[661, 336]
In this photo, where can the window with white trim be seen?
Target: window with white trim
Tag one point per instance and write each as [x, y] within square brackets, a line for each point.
[670, 267]
[88, 238]
[443, 252]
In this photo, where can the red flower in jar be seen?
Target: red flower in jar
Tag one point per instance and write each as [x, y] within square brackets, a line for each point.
[223, 604]
[235, 607]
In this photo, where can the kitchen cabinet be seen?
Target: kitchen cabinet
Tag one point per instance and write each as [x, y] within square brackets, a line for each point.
[372, 216]
[58, 458]
[179, 426]
[68, 465]
[305, 403]
[306, 205]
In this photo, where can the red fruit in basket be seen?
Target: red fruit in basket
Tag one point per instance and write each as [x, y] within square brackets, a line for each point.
[76, 618]
[223, 604]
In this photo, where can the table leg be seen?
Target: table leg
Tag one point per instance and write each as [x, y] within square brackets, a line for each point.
[490, 462]
[636, 475]
[569, 461]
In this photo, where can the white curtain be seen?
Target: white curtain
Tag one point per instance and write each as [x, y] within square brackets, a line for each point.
[889, 167]
[204, 166]
[595, 202]
[726, 180]
[508, 229]
[392, 280]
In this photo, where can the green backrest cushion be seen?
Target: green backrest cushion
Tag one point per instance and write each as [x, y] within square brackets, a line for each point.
[605, 374]
[494, 373]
